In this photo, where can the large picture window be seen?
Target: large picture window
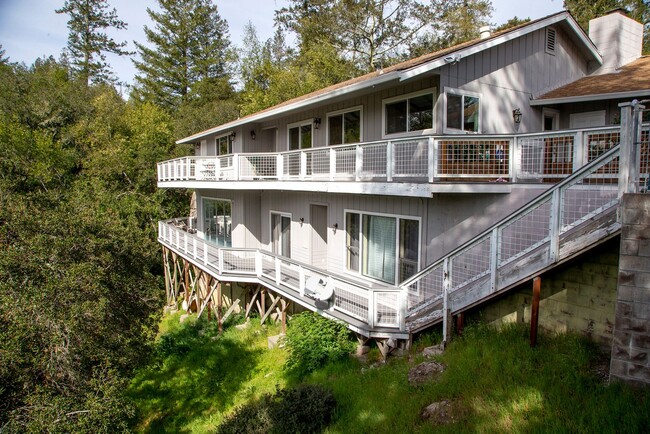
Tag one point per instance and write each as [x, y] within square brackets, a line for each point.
[382, 247]
[217, 221]
[409, 113]
[344, 127]
[463, 112]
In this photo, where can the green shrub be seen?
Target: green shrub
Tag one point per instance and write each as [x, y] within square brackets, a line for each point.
[303, 409]
[313, 340]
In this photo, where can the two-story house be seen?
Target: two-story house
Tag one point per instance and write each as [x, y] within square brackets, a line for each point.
[351, 199]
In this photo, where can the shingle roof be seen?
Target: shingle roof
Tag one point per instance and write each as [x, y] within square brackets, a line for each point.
[633, 77]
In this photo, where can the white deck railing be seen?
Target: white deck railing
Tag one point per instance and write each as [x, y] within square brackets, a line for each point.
[374, 307]
[526, 157]
[522, 244]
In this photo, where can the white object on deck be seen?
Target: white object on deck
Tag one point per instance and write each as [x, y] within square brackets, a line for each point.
[319, 288]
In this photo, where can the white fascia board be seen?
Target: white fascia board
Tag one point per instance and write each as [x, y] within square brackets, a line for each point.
[588, 98]
[382, 78]
[465, 52]
[407, 189]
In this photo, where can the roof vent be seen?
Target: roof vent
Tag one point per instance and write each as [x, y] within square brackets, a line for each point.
[484, 32]
[550, 40]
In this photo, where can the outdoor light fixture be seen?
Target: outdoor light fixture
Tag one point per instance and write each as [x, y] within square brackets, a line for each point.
[253, 135]
[302, 220]
[316, 123]
[516, 116]
[233, 135]
[335, 226]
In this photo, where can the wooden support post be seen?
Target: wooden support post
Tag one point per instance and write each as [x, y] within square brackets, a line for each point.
[460, 323]
[186, 276]
[253, 300]
[284, 315]
[534, 317]
[219, 305]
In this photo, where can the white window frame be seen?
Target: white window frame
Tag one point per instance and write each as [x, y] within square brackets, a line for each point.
[397, 217]
[551, 113]
[358, 108]
[462, 93]
[309, 122]
[201, 215]
[229, 138]
[281, 214]
[432, 91]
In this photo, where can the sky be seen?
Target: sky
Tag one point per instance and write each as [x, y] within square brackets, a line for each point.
[30, 28]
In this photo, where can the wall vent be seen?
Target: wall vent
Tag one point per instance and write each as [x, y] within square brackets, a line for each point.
[550, 40]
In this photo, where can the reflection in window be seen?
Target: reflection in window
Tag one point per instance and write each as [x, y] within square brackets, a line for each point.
[344, 128]
[300, 137]
[463, 112]
[224, 145]
[217, 221]
[385, 248]
[410, 114]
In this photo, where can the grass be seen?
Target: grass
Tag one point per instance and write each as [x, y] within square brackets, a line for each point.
[495, 381]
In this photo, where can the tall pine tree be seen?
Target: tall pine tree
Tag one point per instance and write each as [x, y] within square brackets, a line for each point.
[87, 41]
[189, 54]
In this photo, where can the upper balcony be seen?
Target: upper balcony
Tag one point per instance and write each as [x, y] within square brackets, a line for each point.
[417, 167]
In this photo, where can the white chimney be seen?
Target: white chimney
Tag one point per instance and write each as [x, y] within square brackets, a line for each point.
[484, 32]
[618, 39]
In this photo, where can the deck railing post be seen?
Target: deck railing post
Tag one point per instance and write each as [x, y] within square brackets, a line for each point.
[579, 150]
[515, 157]
[371, 308]
[511, 158]
[258, 263]
[389, 161]
[278, 271]
[628, 167]
[555, 223]
[403, 306]
[332, 164]
[205, 253]
[303, 164]
[494, 258]
[358, 164]
[301, 281]
[220, 261]
[446, 284]
[280, 166]
[432, 163]
[235, 167]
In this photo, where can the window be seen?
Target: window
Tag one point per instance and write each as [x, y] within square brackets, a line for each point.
[463, 111]
[411, 113]
[300, 136]
[382, 247]
[344, 127]
[217, 221]
[224, 144]
[281, 234]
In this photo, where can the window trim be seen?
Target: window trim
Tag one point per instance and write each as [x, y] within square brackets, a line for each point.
[201, 214]
[230, 145]
[281, 214]
[397, 218]
[462, 93]
[405, 97]
[551, 113]
[358, 108]
[299, 124]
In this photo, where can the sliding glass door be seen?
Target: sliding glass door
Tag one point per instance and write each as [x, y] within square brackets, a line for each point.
[217, 221]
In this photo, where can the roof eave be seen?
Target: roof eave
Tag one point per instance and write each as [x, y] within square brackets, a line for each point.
[588, 98]
[493, 42]
[354, 87]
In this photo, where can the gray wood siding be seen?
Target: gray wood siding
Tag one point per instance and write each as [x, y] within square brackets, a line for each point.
[508, 75]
